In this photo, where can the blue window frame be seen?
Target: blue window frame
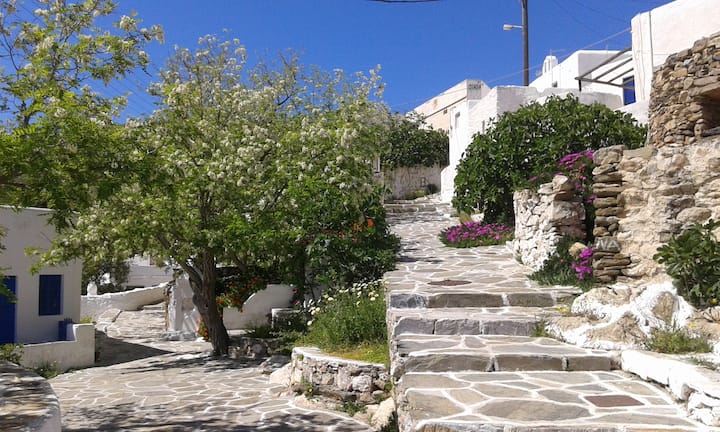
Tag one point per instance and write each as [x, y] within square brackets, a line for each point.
[50, 295]
[628, 90]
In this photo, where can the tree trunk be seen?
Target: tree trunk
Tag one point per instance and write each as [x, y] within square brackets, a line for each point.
[203, 286]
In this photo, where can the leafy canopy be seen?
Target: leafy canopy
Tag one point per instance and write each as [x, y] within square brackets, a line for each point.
[58, 137]
[529, 142]
[222, 171]
[410, 143]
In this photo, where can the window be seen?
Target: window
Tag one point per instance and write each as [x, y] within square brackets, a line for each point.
[628, 85]
[50, 295]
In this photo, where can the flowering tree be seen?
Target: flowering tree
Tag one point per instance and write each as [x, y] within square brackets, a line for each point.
[218, 173]
[58, 137]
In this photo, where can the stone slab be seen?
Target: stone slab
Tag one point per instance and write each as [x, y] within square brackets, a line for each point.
[559, 401]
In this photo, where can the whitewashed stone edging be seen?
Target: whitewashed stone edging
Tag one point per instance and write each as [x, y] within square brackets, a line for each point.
[343, 379]
[698, 387]
[77, 352]
[94, 305]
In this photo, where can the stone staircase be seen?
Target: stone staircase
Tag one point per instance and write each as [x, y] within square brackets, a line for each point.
[465, 358]
[425, 205]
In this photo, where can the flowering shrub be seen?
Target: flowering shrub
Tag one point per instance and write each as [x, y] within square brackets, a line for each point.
[348, 317]
[562, 268]
[583, 264]
[472, 234]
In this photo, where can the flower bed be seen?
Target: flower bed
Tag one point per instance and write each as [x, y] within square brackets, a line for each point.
[471, 234]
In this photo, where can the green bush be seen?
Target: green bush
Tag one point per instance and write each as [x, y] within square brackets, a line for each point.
[11, 352]
[675, 340]
[349, 317]
[692, 259]
[410, 143]
[529, 142]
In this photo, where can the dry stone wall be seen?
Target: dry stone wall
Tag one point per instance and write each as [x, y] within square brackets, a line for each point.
[685, 95]
[608, 261]
[542, 218]
[675, 181]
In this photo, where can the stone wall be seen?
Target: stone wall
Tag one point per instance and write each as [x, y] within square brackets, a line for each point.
[403, 181]
[313, 372]
[646, 196]
[685, 96]
[666, 189]
[542, 218]
[608, 261]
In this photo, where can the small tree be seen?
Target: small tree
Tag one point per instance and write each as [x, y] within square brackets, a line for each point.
[410, 143]
[530, 141]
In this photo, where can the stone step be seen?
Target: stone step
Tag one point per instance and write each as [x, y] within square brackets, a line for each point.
[536, 401]
[473, 296]
[513, 321]
[419, 207]
[480, 353]
[157, 307]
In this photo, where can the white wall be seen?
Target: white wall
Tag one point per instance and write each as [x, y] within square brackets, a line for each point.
[143, 273]
[436, 111]
[77, 352]
[563, 75]
[257, 309]
[94, 305]
[665, 30]
[183, 317]
[29, 228]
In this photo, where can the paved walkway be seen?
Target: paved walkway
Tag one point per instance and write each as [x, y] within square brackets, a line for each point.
[462, 324]
[151, 385]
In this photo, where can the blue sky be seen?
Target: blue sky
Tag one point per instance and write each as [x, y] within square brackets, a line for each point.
[423, 48]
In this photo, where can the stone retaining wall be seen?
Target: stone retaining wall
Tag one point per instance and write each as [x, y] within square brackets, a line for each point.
[646, 196]
[608, 262]
[542, 218]
[685, 95]
[346, 380]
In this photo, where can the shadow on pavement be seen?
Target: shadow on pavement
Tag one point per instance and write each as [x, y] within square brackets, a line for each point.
[115, 351]
[199, 417]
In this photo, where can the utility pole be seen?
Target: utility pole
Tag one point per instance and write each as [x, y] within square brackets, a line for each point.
[526, 48]
[526, 37]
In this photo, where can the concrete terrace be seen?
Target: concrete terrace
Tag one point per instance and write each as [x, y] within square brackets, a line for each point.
[461, 323]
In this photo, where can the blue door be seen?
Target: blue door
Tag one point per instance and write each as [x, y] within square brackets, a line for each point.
[7, 313]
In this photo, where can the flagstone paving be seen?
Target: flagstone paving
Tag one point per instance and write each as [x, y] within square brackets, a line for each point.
[155, 385]
[461, 324]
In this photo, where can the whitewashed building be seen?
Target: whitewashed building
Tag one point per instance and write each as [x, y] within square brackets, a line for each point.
[618, 79]
[43, 299]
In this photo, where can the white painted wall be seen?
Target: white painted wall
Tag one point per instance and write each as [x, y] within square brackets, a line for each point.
[143, 273]
[563, 75]
[258, 308]
[436, 111]
[665, 30]
[94, 305]
[183, 317]
[77, 352]
[29, 228]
